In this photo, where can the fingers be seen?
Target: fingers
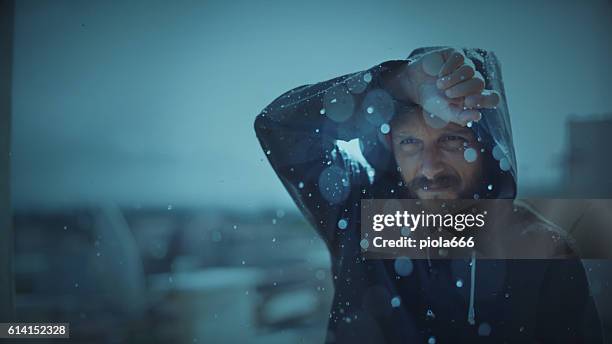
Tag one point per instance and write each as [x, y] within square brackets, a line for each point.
[485, 100]
[442, 62]
[463, 73]
[467, 88]
[470, 115]
[432, 63]
[453, 58]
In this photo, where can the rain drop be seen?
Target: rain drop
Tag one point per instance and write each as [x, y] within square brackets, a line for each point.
[504, 165]
[370, 110]
[484, 329]
[301, 185]
[470, 155]
[364, 244]
[490, 187]
[459, 283]
[395, 302]
[342, 224]
[403, 266]
[385, 128]
[498, 152]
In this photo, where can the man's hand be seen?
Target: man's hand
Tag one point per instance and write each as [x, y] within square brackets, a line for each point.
[445, 84]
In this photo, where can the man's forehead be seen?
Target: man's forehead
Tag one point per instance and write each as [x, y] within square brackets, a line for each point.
[412, 123]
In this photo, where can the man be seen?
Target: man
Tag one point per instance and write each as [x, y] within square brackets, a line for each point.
[433, 127]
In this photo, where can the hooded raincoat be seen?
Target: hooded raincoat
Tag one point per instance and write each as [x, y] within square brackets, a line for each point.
[409, 300]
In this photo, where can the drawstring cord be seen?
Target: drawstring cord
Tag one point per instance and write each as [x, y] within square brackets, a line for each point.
[471, 312]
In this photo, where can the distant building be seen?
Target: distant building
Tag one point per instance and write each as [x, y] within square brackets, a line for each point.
[589, 162]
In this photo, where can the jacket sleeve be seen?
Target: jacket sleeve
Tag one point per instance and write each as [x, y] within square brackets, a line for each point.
[299, 131]
[566, 311]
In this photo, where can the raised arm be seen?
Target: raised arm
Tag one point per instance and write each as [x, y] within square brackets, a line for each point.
[299, 130]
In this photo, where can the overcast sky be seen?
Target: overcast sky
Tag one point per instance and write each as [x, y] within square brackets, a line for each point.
[153, 102]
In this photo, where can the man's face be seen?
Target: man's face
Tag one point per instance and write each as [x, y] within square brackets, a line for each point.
[433, 161]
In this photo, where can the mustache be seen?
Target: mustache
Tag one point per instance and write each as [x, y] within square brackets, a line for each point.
[440, 181]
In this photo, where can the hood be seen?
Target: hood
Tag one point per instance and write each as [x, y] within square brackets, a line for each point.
[493, 131]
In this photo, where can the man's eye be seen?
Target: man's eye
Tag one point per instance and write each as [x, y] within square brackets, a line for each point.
[408, 141]
[452, 138]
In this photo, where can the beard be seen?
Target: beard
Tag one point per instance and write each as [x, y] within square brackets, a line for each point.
[444, 185]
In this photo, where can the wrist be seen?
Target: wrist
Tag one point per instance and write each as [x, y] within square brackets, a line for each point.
[399, 82]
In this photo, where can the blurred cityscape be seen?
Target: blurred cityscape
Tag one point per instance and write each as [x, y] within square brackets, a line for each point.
[173, 275]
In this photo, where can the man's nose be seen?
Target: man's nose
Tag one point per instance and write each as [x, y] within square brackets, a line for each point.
[431, 164]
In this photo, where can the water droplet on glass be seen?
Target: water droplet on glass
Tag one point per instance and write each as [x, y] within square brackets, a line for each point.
[322, 112]
[469, 124]
[370, 110]
[470, 155]
[364, 244]
[342, 224]
[459, 283]
[484, 329]
[504, 165]
[169, 206]
[395, 302]
[385, 128]
[367, 77]
[268, 152]
[403, 266]
[490, 187]
[431, 340]
[301, 185]
[498, 152]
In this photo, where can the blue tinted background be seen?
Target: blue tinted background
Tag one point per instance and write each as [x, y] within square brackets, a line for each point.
[152, 102]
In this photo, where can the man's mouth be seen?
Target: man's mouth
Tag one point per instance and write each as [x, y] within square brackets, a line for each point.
[435, 187]
[440, 184]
